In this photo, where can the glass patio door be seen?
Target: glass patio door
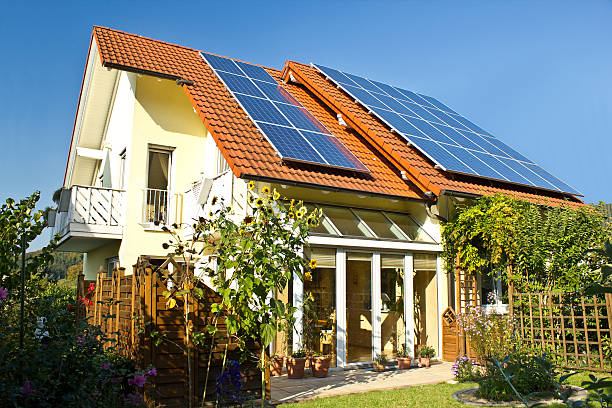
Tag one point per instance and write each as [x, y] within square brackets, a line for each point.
[358, 307]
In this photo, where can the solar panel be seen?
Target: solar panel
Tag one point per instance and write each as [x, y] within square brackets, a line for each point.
[451, 141]
[293, 131]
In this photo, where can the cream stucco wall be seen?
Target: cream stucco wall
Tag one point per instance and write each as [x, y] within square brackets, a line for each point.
[163, 116]
[93, 260]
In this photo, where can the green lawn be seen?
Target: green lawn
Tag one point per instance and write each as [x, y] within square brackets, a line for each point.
[428, 396]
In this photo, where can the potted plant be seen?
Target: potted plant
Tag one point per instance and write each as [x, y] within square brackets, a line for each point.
[379, 363]
[277, 362]
[404, 359]
[296, 364]
[320, 364]
[426, 353]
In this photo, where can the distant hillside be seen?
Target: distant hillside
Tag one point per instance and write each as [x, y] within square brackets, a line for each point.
[66, 265]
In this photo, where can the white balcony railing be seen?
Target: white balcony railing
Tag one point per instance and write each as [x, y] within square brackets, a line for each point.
[83, 206]
[161, 206]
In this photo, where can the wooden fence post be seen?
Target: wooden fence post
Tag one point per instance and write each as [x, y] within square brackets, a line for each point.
[132, 321]
[147, 288]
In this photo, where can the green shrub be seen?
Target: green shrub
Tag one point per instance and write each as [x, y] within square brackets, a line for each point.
[62, 362]
[465, 369]
[426, 352]
[526, 374]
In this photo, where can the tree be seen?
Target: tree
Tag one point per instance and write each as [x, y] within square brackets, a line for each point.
[544, 247]
[20, 223]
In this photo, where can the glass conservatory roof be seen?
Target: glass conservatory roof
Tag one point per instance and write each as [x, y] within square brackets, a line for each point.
[374, 224]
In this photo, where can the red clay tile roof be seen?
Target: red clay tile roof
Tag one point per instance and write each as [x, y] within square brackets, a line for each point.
[246, 150]
[249, 154]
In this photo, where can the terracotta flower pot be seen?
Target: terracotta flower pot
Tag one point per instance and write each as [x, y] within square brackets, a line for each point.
[276, 365]
[424, 362]
[403, 363]
[378, 367]
[320, 366]
[295, 367]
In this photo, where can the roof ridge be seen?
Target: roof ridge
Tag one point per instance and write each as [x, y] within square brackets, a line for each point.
[145, 38]
[179, 46]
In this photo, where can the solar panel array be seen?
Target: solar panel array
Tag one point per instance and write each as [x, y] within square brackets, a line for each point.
[451, 141]
[293, 131]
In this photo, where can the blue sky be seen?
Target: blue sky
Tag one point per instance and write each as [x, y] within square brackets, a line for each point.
[536, 74]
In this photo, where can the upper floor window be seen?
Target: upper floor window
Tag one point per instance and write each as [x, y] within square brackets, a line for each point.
[157, 193]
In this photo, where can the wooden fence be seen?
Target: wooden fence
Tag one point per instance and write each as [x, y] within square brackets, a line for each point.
[577, 329]
[131, 309]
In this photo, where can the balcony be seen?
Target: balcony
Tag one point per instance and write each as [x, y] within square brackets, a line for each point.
[161, 207]
[89, 217]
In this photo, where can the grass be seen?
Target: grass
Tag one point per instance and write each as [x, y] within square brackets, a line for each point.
[429, 396]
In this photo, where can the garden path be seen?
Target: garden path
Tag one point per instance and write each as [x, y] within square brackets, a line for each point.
[340, 382]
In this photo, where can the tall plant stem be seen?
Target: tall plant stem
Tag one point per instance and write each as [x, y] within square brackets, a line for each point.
[189, 370]
[224, 361]
[263, 376]
[212, 343]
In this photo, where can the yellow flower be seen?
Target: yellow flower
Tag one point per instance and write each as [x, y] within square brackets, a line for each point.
[308, 276]
[304, 209]
[251, 185]
[291, 215]
[248, 220]
[313, 264]
[259, 202]
[276, 195]
[266, 190]
[299, 213]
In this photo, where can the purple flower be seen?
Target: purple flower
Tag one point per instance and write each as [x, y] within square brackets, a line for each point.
[105, 366]
[151, 372]
[138, 380]
[27, 387]
[3, 293]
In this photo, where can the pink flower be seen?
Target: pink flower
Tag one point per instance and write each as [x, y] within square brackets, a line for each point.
[3, 293]
[151, 372]
[92, 287]
[105, 366]
[138, 380]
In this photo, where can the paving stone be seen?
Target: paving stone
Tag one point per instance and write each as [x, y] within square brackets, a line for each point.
[355, 381]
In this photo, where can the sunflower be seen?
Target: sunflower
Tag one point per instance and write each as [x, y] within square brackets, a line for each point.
[248, 220]
[291, 215]
[313, 264]
[251, 185]
[276, 195]
[266, 190]
[308, 276]
[259, 202]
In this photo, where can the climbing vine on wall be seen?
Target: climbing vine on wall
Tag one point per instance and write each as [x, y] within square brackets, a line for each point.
[545, 247]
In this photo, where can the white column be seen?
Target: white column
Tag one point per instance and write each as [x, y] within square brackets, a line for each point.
[409, 301]
[441, 300]
[298, 298]
[376, 306]
[341, 307]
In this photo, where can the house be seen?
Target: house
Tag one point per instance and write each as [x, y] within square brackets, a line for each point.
[161, 128]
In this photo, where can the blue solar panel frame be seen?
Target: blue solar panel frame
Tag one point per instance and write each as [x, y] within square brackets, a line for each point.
[451, 141]
[293, 132]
